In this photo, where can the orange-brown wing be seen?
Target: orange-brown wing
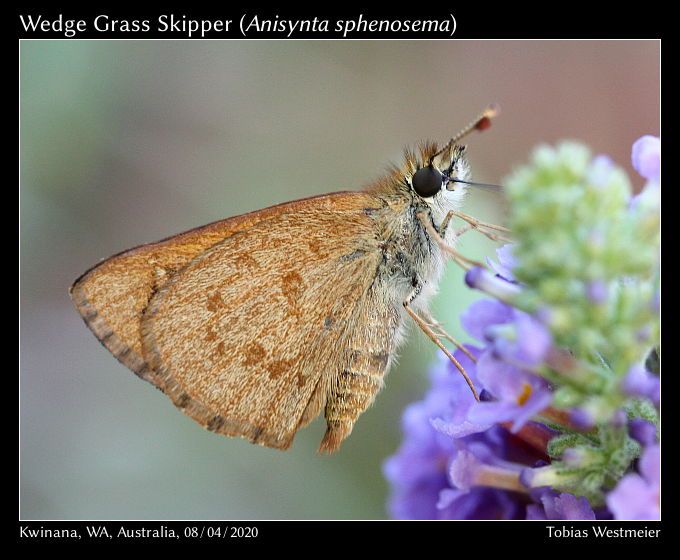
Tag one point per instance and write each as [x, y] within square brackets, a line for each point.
[112, 295]
[245, 337]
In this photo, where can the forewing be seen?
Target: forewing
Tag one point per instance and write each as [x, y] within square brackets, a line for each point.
[112, 296]
[247, 333]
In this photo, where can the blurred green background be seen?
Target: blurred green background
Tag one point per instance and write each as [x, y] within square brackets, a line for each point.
[127, 142]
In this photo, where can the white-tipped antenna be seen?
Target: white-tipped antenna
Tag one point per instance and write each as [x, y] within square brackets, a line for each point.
[483, 121]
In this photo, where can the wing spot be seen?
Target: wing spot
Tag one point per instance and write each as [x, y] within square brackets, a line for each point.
[254, 355]
[315, 246]
[292, 287]
[247, 261]
[214, 302]
[278, 367]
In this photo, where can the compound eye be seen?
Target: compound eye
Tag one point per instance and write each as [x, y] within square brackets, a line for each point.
[427, 181]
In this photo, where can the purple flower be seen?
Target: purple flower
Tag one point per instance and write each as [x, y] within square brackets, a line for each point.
[482, 484]
[481, 279]
[646, 157]
[463, 459]
[478, 485]
[639, 382]
[418, 471]
[515, 336]
[600, 170]
[506, 262]
[527, 345]
[638, 496]
[597, 291]
[453, 421]
[581, 418]
[477, 465]
[559, 506]
[520, 395]
[643, 431]
[479, 503]
[484, 313]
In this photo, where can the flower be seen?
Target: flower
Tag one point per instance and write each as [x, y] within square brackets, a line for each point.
[564, 339]
[453, 420]
[639, 382]
[552, 505]
[515, 340]
[520, 395]
[439, 442]
[637, 496]
[506, 262]
[417, 472]
[646, 157]
[484, 313]
[515, 336]
[496, 286]
[643, 431]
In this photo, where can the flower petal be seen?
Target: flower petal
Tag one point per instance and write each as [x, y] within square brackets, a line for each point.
[484, 313]
[646, 157]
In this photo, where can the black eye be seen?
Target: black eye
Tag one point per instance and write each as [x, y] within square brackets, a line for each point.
[427, 181]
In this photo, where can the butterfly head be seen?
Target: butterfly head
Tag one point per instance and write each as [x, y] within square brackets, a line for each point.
[436, 177]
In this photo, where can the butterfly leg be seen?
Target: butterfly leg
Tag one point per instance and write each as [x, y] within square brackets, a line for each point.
[434, 338]
[437, 235]
[474, 223]
[437, 326]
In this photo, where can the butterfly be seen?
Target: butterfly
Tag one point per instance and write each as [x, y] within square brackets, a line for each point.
[255, 324]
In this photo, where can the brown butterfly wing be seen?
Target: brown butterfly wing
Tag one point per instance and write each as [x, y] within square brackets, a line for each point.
[112, 295]
[249, 336]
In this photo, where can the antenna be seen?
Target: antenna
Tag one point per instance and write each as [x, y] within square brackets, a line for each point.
[482, 122]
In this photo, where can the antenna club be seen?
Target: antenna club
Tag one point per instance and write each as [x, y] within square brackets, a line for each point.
[492, 110]
[483, 123]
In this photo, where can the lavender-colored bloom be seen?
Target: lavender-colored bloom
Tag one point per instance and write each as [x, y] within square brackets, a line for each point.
[479, 477]
[646, 157]
[484, 313]
[462, 459]
[600, 170]
[639, 382]
[453, 421]
[638, 496]
[597, 291]
[479, 503]
[529, 345]
[477, 465]
[581, 418]
[552, 505]
[506, 262]
[642, 431]
[418, 471]
[481, 279]
[515, 336]
[520, 394]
